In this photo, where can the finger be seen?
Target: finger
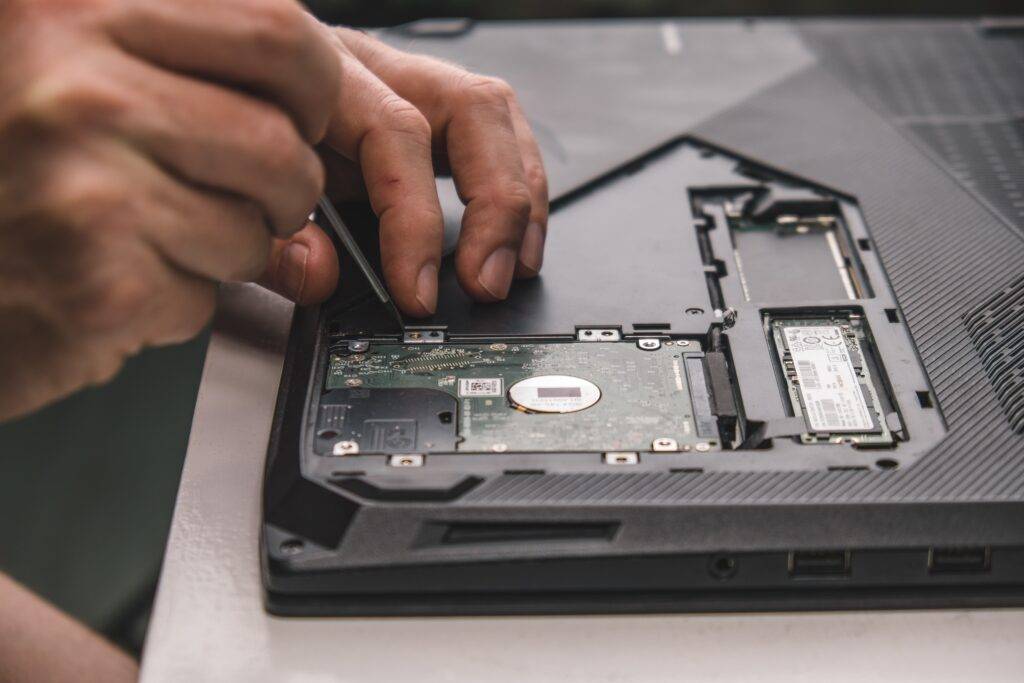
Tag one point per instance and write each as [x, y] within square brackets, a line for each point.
[531, 251]
[344, 181]
[182, 309]
[477, 134]
[390, 140]
[207, 135]
[207, 234]
[303, 268]
[488, 171]
[135, 298]
[102, 194]
[272, 47]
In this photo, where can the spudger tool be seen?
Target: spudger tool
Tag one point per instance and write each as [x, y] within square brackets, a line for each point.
[349, 242]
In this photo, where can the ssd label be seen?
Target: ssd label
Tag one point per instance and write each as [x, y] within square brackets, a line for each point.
[832, 396]
[480, 387]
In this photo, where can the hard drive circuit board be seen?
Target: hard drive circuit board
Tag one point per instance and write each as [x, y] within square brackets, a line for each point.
[519, 397]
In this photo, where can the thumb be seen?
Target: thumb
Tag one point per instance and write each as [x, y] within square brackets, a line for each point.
[303, 267]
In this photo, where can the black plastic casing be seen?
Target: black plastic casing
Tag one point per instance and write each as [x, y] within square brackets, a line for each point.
[936, 521]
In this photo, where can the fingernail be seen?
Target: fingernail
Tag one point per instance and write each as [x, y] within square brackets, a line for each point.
[531, 253]
[426, 287]
[291, 271]
[496, 274]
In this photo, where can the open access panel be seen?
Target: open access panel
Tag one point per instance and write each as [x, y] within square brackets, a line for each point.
[607, 439]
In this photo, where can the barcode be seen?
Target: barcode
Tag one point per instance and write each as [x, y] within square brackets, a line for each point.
[828, 409]
[480, 387]
[808, 374]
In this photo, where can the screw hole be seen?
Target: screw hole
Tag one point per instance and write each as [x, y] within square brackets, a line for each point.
[864, 244]
[925, 399]
[887, 464]
[723, 567]
[327, 433]
[892, 314]
[588, 333]
[445, 417]
[694, 311]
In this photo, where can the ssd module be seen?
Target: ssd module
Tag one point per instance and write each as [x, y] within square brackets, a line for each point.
[830, 376]
[516, 397]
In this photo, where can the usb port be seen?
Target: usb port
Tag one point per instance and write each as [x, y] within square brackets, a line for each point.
[819, 563]
[959, 560]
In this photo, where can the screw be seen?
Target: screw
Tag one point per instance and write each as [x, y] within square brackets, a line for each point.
[346, 448]
[499, 447]
[499, 347]
[353, 382]
[292, 546]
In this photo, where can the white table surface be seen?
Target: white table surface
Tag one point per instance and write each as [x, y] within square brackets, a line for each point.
[209, 623]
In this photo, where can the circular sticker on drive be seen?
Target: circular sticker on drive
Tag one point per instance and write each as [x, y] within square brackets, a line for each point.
[554, 394]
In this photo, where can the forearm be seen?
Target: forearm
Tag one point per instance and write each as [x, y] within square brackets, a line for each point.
[40, 643]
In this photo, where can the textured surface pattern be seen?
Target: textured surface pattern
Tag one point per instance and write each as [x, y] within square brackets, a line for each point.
[997, 330]
[955, 90]
[986, 156]
[946, 254]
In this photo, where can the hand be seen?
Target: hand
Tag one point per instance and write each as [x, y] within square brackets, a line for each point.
[147, 151]
[398, 117]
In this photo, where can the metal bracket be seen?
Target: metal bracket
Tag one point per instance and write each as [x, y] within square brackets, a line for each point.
[598, 334]
[423, 335]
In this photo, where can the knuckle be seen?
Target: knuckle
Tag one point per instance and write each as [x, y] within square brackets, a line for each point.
[512, 197]
[109, 300]
[278, 28]
[81, 195]
[280, 148]
[271, 129]
[68, 98]
[403, 117]
[537, 177]
[488, 90]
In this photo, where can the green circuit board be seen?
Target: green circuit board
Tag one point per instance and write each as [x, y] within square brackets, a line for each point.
[829, 381]
[644, 394]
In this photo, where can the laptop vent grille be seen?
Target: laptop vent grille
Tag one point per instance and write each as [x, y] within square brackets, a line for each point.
[997, 330]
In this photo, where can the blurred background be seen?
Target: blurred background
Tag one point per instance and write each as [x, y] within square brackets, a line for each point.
[87, 486]
[390, 12]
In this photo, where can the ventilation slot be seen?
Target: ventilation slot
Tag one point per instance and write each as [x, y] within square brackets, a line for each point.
[997, 330]
[526, 532]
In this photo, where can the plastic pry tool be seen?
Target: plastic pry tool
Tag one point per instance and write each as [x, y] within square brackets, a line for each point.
[349, 242]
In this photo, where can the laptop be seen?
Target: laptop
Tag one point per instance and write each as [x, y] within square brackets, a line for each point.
[775, 359]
